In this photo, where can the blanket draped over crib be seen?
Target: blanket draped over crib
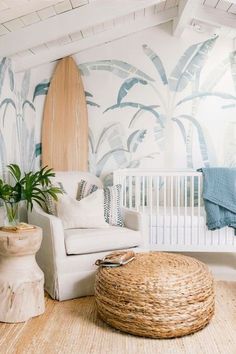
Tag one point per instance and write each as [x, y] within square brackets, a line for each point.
[219, 194]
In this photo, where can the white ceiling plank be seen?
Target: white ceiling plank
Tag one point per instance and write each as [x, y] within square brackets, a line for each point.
[31, 18]
[63, 6]
[69, 22]
[186, 10]
[39, 49]
[95, 40]
[215, 17]
[14, 25]
[3, 30]
[18, 8]
[76, 36]
[170, 3]
[77, 3]
[160, 7]
[46, 12]
[223, 5]
[211, 3]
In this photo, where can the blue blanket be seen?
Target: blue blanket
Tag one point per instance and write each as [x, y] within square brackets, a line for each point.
[219, 194]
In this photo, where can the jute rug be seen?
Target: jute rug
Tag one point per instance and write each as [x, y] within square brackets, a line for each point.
[72, 327]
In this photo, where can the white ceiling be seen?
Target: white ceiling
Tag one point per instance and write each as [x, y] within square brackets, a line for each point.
[39, 31]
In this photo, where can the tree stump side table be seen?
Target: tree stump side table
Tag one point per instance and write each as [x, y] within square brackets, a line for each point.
[21, 279]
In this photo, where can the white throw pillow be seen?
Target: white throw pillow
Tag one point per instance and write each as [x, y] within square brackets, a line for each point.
[86, 213]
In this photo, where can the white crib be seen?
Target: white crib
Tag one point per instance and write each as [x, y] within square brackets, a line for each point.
[172, 203]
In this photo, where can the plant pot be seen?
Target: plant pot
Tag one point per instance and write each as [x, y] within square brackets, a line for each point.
[12, 214]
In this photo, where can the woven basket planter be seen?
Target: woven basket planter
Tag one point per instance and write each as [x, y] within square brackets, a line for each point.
[158, 295]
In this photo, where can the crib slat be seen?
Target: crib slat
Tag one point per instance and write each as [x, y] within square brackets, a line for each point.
[164, 214]
[171, 209]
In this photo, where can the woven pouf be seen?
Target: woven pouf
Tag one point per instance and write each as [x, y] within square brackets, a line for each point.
[158, 295]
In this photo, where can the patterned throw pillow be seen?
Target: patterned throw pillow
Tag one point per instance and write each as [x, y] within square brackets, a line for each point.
[112, 201]
[50, 203]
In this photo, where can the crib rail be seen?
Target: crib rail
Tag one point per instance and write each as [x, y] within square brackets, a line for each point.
[172, 203]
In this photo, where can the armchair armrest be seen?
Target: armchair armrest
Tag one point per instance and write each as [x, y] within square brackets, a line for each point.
[137, 221]
[53, 231]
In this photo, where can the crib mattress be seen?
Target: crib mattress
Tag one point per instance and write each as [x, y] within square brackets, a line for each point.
[176, 217]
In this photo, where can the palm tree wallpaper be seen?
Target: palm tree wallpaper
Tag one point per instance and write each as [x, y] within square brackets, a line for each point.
[180, 115]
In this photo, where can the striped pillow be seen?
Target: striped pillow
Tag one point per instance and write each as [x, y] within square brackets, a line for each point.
[50, 203]
[112, 201]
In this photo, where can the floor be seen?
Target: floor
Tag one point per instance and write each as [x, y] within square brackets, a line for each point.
[72, 327]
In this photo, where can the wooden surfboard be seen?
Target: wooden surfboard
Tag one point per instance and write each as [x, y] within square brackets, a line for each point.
[65, 120]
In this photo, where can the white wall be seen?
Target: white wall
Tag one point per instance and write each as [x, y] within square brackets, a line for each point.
[205, 131]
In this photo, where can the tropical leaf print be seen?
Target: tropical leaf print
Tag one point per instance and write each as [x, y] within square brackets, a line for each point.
[126, 87]
[11, 78]
[195, 95]
[201, 137]
[135, 139]
[88, 100]
[41, 89]
[116, 67]
[103, 136]
[157, 63]
[3, 66]
[28, 103]
[25, 85]
[233, 67]
[215, 75]
[139, 106]
[191, 62]
[182, 129]
[139, 113]
[3, 153]
[38, 149]
[6, 102]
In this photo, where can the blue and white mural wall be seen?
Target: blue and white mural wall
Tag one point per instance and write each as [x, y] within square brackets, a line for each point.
[153, 101]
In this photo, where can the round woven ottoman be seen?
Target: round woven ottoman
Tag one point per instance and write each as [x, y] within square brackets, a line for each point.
[158, 295]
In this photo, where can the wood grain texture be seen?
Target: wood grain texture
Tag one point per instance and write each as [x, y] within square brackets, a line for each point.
[65, 120]
[21, 279]
[73, 327]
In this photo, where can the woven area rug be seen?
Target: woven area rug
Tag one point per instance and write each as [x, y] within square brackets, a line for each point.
[73, 327]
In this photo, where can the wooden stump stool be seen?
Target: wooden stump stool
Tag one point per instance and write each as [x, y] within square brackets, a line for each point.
[21, 279]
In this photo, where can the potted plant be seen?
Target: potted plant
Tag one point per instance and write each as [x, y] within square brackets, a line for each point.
[29, 187]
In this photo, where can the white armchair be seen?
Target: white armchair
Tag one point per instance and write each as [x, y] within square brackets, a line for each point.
[67, 257]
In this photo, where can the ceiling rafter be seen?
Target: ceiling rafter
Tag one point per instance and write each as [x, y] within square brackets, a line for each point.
[67, 23]
[215, 17]
[97, 39]
[186, 10]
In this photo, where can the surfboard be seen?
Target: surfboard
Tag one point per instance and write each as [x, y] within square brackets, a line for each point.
[65, 120]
